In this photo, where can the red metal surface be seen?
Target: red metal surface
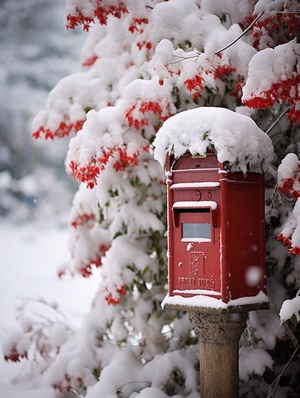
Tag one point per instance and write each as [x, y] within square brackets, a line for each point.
[215, 230]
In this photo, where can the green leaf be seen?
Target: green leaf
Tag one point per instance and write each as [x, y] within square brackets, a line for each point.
[294, 320]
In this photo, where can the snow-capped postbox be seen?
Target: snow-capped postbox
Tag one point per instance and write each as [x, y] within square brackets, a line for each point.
[215, 166]
[216, 229]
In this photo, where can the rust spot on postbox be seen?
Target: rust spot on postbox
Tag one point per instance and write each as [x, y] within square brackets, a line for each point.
[216, 219]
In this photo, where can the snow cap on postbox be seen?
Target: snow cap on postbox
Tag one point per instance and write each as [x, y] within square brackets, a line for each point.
[239, 143]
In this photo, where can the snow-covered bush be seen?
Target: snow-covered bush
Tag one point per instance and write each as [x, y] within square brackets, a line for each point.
[145, 62]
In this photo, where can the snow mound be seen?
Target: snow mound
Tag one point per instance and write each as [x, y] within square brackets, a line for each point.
[270, 66]
[287, 168]
[240, 144]
[289, 309]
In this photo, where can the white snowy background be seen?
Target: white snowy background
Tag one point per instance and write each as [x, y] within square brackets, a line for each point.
[29, 255]
[35, 53]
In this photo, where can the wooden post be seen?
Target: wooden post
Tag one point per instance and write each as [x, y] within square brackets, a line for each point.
[219, 335]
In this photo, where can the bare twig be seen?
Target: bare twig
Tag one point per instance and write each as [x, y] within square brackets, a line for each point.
[274, 385]
[242, 34]
[289, 332]
[41, 300]
[181, 58]
[277, 120]
[290, 12]
[76, 393]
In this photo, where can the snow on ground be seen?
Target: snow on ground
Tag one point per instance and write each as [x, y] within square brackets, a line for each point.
[29, 256]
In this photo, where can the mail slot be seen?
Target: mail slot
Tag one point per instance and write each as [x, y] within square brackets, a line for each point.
[216, 244]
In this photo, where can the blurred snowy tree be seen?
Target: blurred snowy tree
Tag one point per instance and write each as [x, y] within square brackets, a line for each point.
[35, 53]
[147, 61]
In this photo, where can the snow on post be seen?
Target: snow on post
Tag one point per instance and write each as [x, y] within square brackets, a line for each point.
[240, 144]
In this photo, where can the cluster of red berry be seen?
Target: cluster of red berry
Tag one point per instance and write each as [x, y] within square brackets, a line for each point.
[271, 25]
[287, 185]
[64, 387]
[197, 84]
[136, 24]
[287, 90]
[125, 160]
[101, 13]
[90, 61]
[286, 241]
[114, 299]
[136, 115]
[14, 355]
[290, 186]
[87, 269]
[88, 173]
[62, 131]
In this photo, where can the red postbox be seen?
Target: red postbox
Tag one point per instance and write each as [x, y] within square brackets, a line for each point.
[216, 242]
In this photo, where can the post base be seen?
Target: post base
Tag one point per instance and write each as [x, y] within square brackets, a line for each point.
[219, 336]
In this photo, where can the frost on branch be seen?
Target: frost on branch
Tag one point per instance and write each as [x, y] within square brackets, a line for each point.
[120, 133]
[128, 375]
[15, 349]
[109, 220]
[290, 234]
[201, 72]
[255, 361]
[74, 96]
[84, 13]
[289, 184]
[104, 137]
[238, 141]
[274, 76]
[278, 22]
[43, 330]
[66, 107]
[288, 180]
[290, 310]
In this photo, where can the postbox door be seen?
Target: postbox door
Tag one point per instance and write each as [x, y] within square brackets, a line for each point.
[196, 253]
